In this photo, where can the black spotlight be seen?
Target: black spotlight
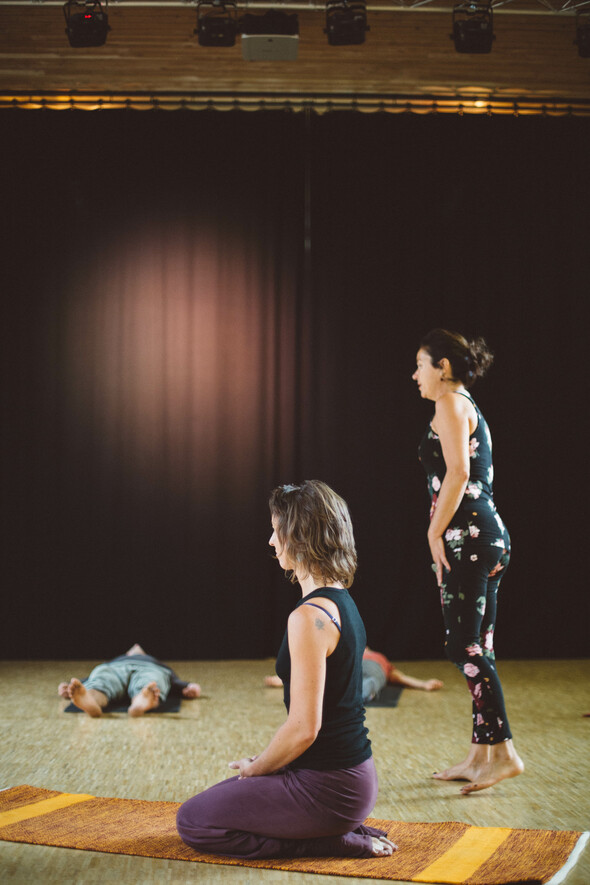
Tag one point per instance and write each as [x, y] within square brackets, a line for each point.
[217, 23]
[473, 29]
[582, 40]
[346, 23]
[87, 23]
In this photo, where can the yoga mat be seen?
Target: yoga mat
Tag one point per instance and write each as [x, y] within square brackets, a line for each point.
[451, 852]
[170, 705]
[387, 697]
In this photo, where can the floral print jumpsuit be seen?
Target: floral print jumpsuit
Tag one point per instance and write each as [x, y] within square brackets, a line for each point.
[477, 546]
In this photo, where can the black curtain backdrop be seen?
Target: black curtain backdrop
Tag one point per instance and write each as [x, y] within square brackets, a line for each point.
[198, 306]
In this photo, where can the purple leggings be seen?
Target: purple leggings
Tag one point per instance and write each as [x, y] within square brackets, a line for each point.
[292, 813]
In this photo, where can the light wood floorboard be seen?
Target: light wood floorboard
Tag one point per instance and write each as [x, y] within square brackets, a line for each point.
[172, 756]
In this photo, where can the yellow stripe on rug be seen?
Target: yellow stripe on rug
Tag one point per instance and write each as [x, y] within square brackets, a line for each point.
[470, 851]
[45, 806]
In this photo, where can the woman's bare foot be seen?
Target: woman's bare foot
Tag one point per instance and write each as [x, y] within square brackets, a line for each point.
[382, 846]
[465, 770]
[485, 765]
[147, 699]
[503, 762]
[273, 681]
[91, 701]
[63, 690]
[192, 690]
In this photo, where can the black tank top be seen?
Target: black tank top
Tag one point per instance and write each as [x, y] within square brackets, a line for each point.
[476, 521]
[343, 740]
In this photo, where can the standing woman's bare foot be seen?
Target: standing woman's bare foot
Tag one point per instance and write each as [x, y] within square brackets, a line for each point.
[465, 770]
[147, 699]
[485, 765]
[91, 701]
[503, 762]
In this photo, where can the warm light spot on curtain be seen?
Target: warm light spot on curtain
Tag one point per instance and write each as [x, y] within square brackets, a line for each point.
[171, 355]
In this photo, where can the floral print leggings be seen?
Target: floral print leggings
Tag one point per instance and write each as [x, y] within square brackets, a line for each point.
[469, 597]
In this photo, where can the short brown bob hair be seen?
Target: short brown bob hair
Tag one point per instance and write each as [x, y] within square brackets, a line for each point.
[314, 526]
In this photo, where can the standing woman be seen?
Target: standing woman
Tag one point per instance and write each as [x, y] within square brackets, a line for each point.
[309, 791]
[469, 544]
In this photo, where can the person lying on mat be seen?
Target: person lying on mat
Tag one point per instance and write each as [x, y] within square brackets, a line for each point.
[378, 671]
[309, 791]
[134, 675]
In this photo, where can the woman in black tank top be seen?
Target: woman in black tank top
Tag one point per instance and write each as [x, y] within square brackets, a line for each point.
[469, 544]
[309, 791]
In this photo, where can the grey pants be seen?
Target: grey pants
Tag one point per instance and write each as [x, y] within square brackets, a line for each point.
[119, 679]
[374, 680]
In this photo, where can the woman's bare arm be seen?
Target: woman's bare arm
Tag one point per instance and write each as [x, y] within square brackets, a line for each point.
[311, 639]
[451, 423]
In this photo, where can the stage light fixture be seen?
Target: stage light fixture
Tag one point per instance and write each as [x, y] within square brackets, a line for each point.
[217, 23]
[582, 40]
[273, 36]
[87, 23]
[346, 23]
[473, 29]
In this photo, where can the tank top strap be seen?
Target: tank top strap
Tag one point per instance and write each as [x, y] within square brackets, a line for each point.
[321, 608]
[473, 403]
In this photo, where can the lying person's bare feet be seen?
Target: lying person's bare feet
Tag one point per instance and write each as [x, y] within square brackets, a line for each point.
[485, 765]
[273, 681]
[147, 699]
[192, 690]
[63, 690]
[136, 650]
[382, 846]
[91, 701]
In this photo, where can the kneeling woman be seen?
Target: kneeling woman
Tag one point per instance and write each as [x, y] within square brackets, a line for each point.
[308, 793]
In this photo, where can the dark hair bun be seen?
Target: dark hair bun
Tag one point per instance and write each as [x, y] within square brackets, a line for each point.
[469, 359]
[480, 358]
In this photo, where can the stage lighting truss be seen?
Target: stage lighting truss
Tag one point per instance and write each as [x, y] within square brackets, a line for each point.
[87, 22]
[582, 40]
[217, 23]
[473, 27]
[346, 22]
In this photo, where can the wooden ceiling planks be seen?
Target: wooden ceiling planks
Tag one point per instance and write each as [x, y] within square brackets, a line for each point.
[154, 50]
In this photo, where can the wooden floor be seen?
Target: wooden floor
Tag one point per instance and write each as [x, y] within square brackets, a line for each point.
[172, 756]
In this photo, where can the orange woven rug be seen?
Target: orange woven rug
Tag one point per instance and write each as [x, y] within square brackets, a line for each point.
[452, 852]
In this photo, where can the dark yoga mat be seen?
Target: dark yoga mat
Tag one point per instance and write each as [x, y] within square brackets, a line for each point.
[170, 705]
[387, 697]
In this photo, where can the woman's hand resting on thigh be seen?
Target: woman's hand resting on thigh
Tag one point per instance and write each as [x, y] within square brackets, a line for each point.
[244, 766]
